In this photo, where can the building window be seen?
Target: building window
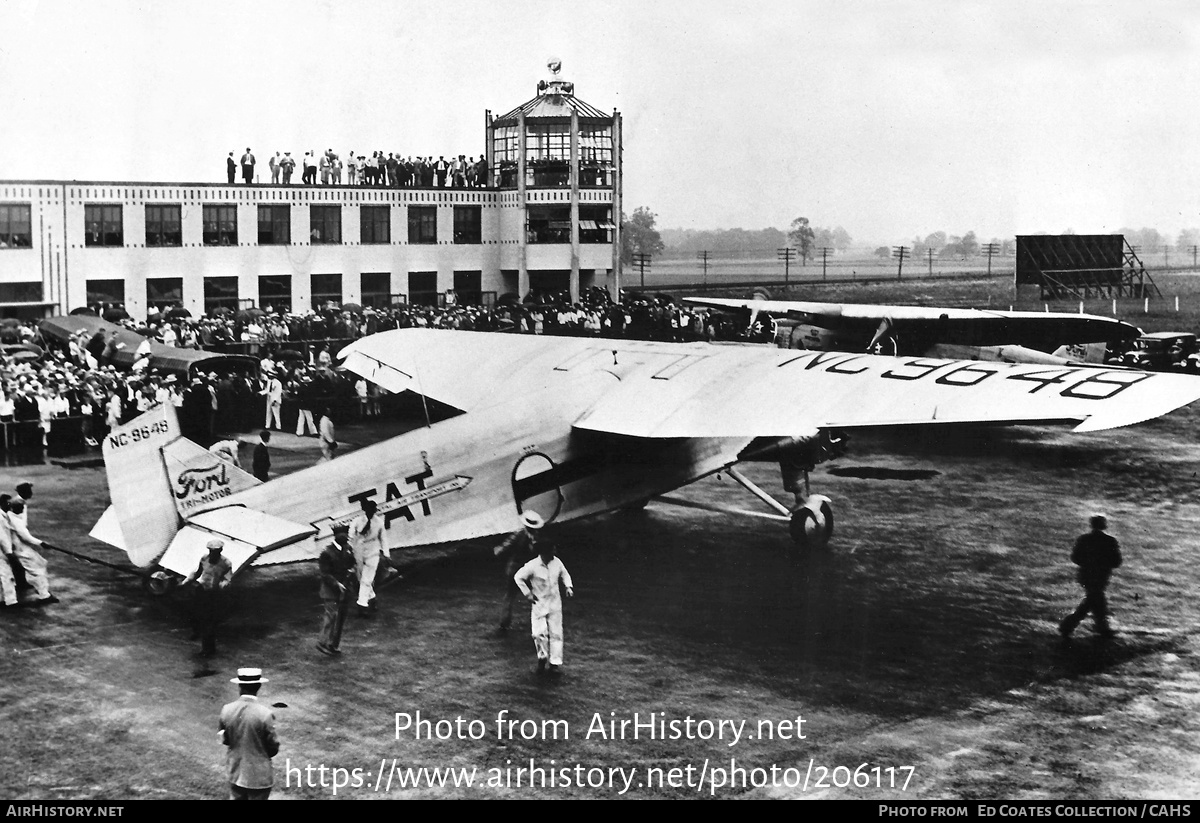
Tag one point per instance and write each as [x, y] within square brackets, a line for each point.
[30, 292]
[422, 224]
[15, 226]
[468, 288]
[220, 226]
[595, 156]
[325, 224]
[103, 225]
[275, 292]
[547, 155]
[468, 223]
[274, 225]
[163, 292]
[376, 224]
[104, 293]
[548, 224]
[220, 292]
[422, 288]
[376, 289]
[596, 224]
[326, 289]
[163, 226]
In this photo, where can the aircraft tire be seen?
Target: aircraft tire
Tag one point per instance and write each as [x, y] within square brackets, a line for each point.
[827, 513]
[802, 521]
[159, 582]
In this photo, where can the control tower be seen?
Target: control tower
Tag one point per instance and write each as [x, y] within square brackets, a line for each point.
[556, 161]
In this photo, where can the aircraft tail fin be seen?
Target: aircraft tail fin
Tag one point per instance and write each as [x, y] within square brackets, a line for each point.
[1092, 353]
[156, 477]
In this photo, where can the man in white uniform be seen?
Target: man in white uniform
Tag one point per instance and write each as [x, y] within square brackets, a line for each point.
[366, 541]
[541, 580]
[25, 547]
[8, 584]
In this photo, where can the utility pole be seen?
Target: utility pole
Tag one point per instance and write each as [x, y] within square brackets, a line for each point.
[825, 250]
[703, 256]
[1194, 248]
[900, 252]
[1167, 257]
[787, 255]
[642, 261]
[990, 249]
[929, 254]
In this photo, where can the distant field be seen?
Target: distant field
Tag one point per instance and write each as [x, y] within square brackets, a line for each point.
[689, 269]
[964, 285]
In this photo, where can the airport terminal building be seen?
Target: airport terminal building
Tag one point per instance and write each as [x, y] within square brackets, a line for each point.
[546, 219]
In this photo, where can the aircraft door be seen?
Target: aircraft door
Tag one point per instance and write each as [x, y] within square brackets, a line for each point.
[535, 488]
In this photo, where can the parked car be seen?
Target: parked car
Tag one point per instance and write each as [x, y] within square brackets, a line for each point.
[1164, 351]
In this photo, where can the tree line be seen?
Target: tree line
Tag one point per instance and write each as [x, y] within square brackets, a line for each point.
[640, 234]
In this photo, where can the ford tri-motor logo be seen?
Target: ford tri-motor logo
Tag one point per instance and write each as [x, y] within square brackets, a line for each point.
[202, 485]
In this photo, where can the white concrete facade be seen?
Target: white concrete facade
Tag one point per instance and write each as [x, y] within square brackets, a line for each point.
[59, 261]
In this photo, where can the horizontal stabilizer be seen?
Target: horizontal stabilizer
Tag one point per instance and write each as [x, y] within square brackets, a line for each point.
[246, 533]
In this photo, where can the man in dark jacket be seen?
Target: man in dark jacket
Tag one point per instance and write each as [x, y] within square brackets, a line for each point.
[336, 565]
[1096, 554]
[261, 466]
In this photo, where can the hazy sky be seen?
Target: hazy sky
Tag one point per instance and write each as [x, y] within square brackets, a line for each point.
[891, 119]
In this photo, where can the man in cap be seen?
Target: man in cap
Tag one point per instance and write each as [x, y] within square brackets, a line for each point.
[1096, 554]
[247, 728]
[336, 565]
[211, 577]
[543, 580]
[516, 551]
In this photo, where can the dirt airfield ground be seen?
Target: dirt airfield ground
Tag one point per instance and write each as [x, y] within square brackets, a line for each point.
[925, 639]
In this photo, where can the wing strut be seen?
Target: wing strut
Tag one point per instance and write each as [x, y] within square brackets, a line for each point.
[749, 486]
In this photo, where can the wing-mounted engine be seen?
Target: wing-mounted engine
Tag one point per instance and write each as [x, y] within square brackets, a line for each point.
[804, 452]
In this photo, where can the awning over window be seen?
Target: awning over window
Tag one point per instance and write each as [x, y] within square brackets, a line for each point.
[588, 225]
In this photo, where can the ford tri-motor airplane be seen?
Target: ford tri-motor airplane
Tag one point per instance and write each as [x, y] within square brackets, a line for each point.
[1049, 338]
[571, 427]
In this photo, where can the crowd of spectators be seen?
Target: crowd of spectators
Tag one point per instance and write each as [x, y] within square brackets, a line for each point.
[70, 395]
[380, 169]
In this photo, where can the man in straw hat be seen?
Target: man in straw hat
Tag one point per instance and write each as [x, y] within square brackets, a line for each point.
[516, 550]
[543, 580]
[247, 728]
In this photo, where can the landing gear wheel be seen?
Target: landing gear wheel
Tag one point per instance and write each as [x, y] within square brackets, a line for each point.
[802, 526]
[827, 513]
[811, 526]
[159, 582]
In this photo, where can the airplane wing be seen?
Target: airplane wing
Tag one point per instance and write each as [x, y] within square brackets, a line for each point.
[667, 390]
[975, 326]
[754, 391]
